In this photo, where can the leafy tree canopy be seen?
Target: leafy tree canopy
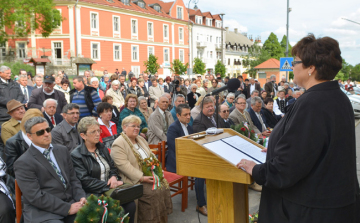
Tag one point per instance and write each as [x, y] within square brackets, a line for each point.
[151, 64]
[283, 46]
[199, 66]
[273, 47]
[220, 68]
[177, 67]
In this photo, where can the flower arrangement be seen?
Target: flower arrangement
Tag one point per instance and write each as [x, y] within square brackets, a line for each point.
[152, 167]
[101, 209]
[244, 129]
[253, 218]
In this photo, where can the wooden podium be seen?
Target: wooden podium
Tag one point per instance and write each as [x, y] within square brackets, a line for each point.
[226, 185]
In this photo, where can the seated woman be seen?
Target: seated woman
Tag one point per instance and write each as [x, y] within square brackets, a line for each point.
[108, 128]
[193, 96]
[131, 109]
[155, 92]
[94, 166]
[143, 89]
[128, 152]
[270, 117]
[115, 111]
[143, 107]
[115, 93]
[133, 88]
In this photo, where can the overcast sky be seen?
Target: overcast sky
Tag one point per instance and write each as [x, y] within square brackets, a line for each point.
[321, 17]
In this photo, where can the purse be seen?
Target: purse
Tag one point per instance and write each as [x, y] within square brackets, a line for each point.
[126, 193]
[108, 141]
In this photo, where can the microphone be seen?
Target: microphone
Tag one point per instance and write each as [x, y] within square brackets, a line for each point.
[232, 85]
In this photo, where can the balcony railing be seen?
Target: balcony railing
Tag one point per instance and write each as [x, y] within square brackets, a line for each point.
[201, 44]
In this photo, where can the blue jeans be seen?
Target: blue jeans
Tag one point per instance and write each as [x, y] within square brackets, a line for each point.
[199, 191]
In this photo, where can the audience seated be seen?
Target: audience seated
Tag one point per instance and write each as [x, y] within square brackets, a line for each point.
[133, 88]
[179, 99]
[115, 93]
[66, 133]
[296, 95]
[144, 91]
[92, 162]
[229, 101]
[50, 114]
[107, 127]
[255, 93]
[7, 208]
[39, 95]
[193, 96]
[256, 116]
[224, 114]
[128, 152]
[94, 82]
[155, 92]
[199, 89]
[159, 122]
[143, 107]
[270, 118]
[50, 189]
[131, 109]
[177, 129]
[8, 129]
[197, 109]
[115, 112]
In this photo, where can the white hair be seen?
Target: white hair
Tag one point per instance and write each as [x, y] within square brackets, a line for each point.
[38, 76]
[50, 99]
[22, 76]
[230, 94]
[4, 68]
[255, 100]
[93, 79]
[194, 85]
[115, 82]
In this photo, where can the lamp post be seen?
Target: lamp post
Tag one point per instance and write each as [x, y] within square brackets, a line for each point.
[288, 10]
[222, 37]
[190, 36]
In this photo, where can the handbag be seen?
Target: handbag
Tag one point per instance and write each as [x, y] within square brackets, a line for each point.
[108, 141]
[126, 193]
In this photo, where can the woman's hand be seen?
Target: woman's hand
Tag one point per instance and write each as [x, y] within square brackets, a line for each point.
[112, 182]
[119, 183]
[264, 150]
[247, 165]
[147, 179]
[143, 135]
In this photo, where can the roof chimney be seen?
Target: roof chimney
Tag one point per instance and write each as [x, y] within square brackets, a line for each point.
[235, 30]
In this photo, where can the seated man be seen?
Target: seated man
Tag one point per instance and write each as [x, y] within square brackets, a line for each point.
[177, 129]
[270, 118]
[296, 95]
[50, 113]
[159, 122]
[7, 208]
[8, 129]
[256, 117]
[179, 99]
[46, 177]
[224, 114]
[280, 103]
[66, 132]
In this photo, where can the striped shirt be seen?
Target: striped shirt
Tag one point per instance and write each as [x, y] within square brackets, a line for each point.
[79, 99]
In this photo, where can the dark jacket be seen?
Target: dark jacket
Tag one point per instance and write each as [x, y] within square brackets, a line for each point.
[37, 99]
[29, 90]
[202, 123]
[146, 92]
[269, 87]
[174, 131]
[255, 119]
[229, 123]
[191, 100]
[14, 148]
[136, 91]
[8, 92]
[87, 94]
[257, 87]
[115, 118]
[291, 101]
[88, 169]
[58, 118]
[270, 118]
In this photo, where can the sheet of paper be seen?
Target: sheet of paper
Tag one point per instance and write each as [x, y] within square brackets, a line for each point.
[246, 147]
[227, 152]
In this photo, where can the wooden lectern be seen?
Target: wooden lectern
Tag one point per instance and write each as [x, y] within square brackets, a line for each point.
[226, 185]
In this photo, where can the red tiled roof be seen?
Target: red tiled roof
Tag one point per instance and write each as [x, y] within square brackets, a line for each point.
[195, 12]
[270, 63]
[207, 14]
[217, 17]
[40, 60]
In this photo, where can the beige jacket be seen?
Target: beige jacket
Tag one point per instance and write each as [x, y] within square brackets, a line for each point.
[156, 125]
[155, 93]
[237, 117]
[146, 113]
[9, 129]
[125, 160]
[118, 99]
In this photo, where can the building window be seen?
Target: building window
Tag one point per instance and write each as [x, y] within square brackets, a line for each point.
[207, 38]
[151, 50]
[181, 55]
[57, 52]
[210, 39]
[150, 29]
[166, 32]
[179, 12]
[117, 52]
[209, 22]
[134, 27]
[116, 22]
[141, 4]
[125, 2]
[3, 49]
[95, 51]
[157, 8]
[211, 54]
[181, 34]
[166, 55]
[262, 75]
[94, 20]
[134, 53]
[21, 50]
[229, 61]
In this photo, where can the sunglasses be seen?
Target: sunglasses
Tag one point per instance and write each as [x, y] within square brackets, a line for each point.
[225, 111]
[42, 131]
[293, 63]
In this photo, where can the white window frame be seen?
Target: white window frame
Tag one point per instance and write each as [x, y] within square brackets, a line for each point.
[17, 49]
[210, 39]
[152, 29]
[97, 21]
[58, 29]
[99, 51]
[53, 51]
[2, 50]
[137, 27]
[113, 25]
[208, 22]
[148, 50]
[181, 37]
[135, 70]
[168, 32]
[182, 12]
[166, 61]
[183, 57]
[120, 52]
[132, 53]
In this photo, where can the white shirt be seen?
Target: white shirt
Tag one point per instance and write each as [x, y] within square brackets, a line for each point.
[110, 124]
[140, 151]
[184, 127]
[49, 93]
[50, 118]
[3, 80]
[276, 108]
[261, 121]
[25, 91]
[52, 157]
[39, 86]
[27, 140]
[252, 88]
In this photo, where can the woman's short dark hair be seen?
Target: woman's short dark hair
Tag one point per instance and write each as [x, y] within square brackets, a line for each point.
[103, 106]
[323, 53]
[130, 96]
[106, 98]
[65, 81]
[267, 100]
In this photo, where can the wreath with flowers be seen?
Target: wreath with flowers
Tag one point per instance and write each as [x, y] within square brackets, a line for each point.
[245, 130]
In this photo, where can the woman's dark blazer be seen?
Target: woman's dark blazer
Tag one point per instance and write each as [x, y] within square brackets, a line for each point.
[88, 169]
[114, 118]
[269, 117]
[191, 100]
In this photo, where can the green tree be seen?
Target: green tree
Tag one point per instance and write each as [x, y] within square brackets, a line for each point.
[151, 64]
[199, 66]
[283, 46]
[15, 68]
[220, 68]
[273, 47]
[177, 67]
[355, 73]
[256, 56]
[24, 16]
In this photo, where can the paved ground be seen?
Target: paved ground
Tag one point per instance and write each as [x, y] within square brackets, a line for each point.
[191, 216]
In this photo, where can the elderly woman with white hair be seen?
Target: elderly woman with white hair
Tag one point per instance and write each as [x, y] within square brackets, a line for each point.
[143, 107]
[229, 101]
[193, 96]
[115, 93]
[104, 85]
[200, 89]
[94, 82]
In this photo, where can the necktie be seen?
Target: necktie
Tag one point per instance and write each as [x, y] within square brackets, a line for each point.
[47, 156]
[52, 120]
[25, 94]
[213, 121]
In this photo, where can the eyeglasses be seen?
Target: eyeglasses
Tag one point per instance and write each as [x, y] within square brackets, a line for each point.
[231, 98]
[225, 111]
[94, 132]
[73, 113]
[42, 131]
[293, 63]
[134, 126]
[241, 103]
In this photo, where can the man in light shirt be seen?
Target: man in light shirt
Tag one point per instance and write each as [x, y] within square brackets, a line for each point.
[25, 88]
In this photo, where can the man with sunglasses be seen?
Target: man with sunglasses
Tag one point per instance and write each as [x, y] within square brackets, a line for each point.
[46, 177]
[224, 114]
[66, 132]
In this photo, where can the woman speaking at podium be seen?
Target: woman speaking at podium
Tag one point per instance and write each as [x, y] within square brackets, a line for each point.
[310, 169]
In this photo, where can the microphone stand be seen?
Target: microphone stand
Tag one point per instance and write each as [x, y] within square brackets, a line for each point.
[217, 110]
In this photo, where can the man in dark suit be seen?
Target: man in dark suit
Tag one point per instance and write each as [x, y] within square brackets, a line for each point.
[206, 119]
[224, 113]
[256, 117]
[252, 87]
[25, 89]
[39, 95]
[271, 87]
[49, 114]
[177, 129]
[296, 95]
[46, 177]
